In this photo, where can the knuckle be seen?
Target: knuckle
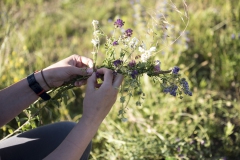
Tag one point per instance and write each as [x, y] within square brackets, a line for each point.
[75, 55]
[107, 70]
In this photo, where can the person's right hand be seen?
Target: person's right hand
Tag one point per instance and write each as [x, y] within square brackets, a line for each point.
[98, 101]
[64, 70]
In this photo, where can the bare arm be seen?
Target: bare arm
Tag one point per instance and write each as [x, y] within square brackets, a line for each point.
[19, 96]
[97, 104]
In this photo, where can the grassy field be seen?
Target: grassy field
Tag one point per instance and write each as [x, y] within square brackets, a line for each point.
[37, 33]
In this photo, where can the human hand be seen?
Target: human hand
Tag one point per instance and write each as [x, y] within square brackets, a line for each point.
[66, 69]
[98, 102]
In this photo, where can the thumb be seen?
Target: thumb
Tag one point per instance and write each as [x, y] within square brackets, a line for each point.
[81, 71]
[91, 83]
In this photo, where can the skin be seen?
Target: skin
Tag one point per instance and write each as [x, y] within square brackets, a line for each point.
[97, 103]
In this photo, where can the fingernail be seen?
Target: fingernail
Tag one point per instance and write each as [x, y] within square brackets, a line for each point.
[89, 71]
[90, 65]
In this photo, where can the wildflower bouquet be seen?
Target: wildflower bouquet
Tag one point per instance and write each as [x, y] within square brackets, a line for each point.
[130, 57]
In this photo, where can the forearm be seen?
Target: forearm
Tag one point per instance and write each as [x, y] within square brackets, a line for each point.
[76, 142]
[17, 97]
[96, 105]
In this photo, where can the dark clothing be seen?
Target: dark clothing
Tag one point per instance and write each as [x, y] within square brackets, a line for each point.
[37, 143]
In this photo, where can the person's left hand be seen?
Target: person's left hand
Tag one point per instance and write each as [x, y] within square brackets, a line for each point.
[99, 100]
[66, 69]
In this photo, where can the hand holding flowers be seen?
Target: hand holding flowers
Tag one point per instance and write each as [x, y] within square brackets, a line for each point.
[131, 58]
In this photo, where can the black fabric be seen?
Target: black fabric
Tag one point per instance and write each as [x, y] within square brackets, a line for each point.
[37, 143]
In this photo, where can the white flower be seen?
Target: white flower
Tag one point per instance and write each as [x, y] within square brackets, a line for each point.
[141, 49]
[146, 53]
[126, 40]
[144, 57]
[133, 43]
[157, 62]
[152, 49]
[96, 33]
[95, 42]
[95, 24]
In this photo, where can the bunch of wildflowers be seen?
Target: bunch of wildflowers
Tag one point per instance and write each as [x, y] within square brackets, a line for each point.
[130, 57]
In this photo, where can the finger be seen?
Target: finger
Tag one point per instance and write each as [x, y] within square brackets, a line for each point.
[97, 85]
[108, 75]
[84, 61]
[91, 83]
[117, 80]
[77, 84]
[84, 82]
[81, 71]
[80, 83]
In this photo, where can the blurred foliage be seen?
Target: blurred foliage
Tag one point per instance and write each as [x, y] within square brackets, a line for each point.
[37, 33]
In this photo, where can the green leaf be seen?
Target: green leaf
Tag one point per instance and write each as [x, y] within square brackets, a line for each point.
[65, 99]
[229, 129]
[10, 131]
[122, 99]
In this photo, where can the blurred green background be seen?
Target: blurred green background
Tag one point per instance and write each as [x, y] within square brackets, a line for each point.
[37, 33]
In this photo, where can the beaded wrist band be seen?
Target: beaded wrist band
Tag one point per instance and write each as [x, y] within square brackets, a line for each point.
[35, 86]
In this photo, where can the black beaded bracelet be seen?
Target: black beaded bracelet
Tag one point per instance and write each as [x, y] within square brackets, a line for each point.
[35, 86]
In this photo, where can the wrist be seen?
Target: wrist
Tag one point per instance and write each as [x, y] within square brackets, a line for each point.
[91, 121]
[41, 81]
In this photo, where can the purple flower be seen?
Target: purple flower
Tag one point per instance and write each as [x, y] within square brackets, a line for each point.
[189, 93]
[117, 62]
[134, 74]
[186, 87]
[175, 70]
[233, 36]
[115, 43]
[166, 90]
[157, 66]
[128, 33]
[178, 149]
[173, 90]
[119, 23]
[132, 64]
[185, 84]
[98, 75]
